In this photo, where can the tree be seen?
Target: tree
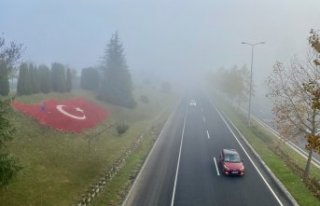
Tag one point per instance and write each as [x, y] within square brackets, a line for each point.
[44, 79]
[21, 87]
[90, 79]
[35, 81]
[295, 95]
[4, 85]
[69, 80]
[116, 85]
[8, 165]
[234, 82]
[8, 57]
[58, 77]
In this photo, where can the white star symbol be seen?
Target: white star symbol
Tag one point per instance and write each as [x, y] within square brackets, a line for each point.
[79, 109]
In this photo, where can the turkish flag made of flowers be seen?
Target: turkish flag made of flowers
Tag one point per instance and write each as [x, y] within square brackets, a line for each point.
[72, 115]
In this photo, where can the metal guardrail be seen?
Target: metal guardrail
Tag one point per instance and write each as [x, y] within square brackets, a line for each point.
[293, 146]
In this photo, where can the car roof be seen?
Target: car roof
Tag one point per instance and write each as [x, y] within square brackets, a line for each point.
[230, 151]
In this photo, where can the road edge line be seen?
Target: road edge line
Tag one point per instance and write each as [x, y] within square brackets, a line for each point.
[148, 157]
[267, 169]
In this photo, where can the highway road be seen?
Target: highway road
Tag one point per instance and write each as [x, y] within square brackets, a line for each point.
[182, 168]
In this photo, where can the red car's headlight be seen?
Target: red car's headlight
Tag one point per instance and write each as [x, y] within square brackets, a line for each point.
[225, 167]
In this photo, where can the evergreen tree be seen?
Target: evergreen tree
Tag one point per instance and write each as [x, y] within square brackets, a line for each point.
[8, 57]
[69, 80]
[8, 165]
[22, 79]
[4, 80]
[28, 80]
[58, 77]
[89, 79]
[116, 86]
[34, 79]
[4, 85]
[44, 79]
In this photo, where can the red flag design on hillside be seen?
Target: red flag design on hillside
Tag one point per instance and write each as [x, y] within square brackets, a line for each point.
[73, 115]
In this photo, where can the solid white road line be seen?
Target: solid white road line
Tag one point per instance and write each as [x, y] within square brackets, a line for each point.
[254, 165]
[215, 163]
[165, 127]
[178, 164]
[208, 134]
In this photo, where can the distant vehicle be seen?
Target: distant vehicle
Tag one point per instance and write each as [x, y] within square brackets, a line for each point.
[231, 162]
[193, 103]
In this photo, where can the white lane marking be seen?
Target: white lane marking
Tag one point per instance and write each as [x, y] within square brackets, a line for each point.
[165, 127]
[215, 163]
[178, 164]
[254, 165]
[204, 119]
[208, 134]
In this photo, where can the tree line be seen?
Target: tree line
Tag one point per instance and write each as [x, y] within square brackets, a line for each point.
[295, 92]
[41, 79]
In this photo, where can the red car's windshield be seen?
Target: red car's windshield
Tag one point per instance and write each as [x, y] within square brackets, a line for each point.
[232, 157]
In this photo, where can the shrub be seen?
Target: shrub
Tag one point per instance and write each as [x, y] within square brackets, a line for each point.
[122, 128]
[144, 99]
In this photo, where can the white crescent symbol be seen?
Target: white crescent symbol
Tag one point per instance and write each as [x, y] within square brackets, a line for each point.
[60, 109]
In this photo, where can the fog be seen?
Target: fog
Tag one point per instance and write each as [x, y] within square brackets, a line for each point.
[178, 39]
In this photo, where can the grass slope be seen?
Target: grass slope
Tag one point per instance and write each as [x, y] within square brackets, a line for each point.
[59, 167]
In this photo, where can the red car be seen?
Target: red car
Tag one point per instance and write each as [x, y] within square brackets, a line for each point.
[231, 162]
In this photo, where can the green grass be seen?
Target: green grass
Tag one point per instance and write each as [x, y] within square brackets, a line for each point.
[58, 167]
[263, 142]
[120, 185]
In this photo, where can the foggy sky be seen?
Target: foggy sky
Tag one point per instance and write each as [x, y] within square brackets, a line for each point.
[180, 36]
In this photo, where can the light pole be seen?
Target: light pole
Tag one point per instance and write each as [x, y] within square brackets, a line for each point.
[250, 93]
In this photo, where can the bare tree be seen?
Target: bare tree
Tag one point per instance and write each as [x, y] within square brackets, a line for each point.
[294, 101]
[8, 57]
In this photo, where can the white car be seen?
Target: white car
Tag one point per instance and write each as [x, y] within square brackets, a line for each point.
[192, 103]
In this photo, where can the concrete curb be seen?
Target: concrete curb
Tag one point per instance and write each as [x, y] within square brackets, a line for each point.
[267, 169]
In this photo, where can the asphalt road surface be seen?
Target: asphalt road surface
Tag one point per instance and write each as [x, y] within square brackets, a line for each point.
[182, 169]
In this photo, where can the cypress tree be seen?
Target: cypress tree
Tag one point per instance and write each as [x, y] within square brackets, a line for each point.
[69, 80]
[22, 85]
[89, 79]
[4, 85]
[35, 79]
[4, 80]
[44, 79]
[58, 77]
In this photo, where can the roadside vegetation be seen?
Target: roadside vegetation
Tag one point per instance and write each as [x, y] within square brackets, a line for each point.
[42, 165]
[294, 90]
[59, 167]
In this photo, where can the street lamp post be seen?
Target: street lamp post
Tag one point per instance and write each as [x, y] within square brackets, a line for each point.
[250, 92]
